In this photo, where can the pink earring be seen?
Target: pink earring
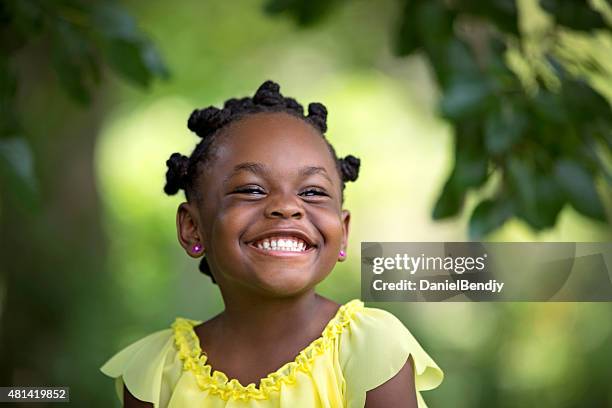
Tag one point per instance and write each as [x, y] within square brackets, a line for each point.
[342, 253]
[197, 248]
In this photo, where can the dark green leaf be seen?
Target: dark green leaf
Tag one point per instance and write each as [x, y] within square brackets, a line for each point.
[127, 50]
[539, 199]
[17, 171]
[489, 215]
[8, 83]
[71, 56]
[126, 57]
[408, 39]
[115, 22]
[577, 183]
[465, 97]
[71, 77]
[461, 60]
[435, 23]
[521, 177]
[449, 202]
[304, 12]
[471, 170]
[26, 17]
[504, 128]
[154, 61]
[549, 200]
[471, 161]
[574, 14]
[584, 104]
[463, 63]
[549, 107]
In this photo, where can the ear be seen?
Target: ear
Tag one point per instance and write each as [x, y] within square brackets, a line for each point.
[346, 220]
[188, 230]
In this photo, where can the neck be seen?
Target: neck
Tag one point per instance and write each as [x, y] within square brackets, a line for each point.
[262, 320]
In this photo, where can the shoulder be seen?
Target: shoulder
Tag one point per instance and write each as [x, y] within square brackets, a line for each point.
[378, 340]
[400, 388]
[374, 334]
[146, 367]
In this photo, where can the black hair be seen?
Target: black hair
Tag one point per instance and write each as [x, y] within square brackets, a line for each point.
[208, 123]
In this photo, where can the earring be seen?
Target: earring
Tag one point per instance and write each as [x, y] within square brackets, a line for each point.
[197, 247]
[342, 254]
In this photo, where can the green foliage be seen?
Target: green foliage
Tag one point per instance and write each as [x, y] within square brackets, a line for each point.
[306, 13]
[574, 14]
[81, 39]
[545, 144]
[526, 137]
[17, 171]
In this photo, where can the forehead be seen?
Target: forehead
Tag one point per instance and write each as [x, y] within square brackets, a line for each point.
[278, 140]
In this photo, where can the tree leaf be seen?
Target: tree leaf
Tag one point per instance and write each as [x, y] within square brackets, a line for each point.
[521, 178]
[577, 183]
[489, 215]
[115, 22]
[8, 88]
[504, 127]
[126, 58]
[407, 39]
[471, 161]
[305, 13]
[71, 54]
[154, 61]
[574, 14]
[584, 104]
[17, 170]
[450, 201]
[549, 107]
[549, 200]
[465, 97]
[435, 23]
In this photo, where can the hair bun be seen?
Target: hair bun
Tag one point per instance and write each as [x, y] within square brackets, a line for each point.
[349, 168]
[317, 115]
[294, 105]
[206, 121]
[177, 171]
[238, 104]
[268, 94]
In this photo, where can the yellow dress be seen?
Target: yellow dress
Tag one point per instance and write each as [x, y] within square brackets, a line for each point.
[360, 349]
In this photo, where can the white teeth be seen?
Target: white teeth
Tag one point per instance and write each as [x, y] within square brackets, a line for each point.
[282, 244]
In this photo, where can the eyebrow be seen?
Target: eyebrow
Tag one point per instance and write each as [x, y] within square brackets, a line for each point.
[251, 167]
[312, 170]
[260, 169]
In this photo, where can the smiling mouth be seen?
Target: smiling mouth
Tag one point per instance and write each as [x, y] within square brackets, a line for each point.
[282, 245]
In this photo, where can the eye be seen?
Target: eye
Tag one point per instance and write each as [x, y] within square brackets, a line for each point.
[250, 190]
[314, 192]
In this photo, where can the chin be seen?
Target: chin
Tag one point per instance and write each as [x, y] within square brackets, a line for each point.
[285, 283]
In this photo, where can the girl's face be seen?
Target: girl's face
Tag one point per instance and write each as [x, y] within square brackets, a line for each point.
[270, 220]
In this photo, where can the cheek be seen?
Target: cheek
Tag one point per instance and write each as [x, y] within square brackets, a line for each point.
[330, 226]
[230, 223]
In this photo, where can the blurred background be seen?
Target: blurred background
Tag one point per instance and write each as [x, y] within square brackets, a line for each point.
[474, 121]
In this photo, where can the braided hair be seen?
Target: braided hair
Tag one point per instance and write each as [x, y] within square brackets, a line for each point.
[207, 123]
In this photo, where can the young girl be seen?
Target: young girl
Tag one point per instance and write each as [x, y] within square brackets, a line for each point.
[264, 192]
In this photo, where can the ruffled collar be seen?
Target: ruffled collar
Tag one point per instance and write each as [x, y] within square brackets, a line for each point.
[216, 382]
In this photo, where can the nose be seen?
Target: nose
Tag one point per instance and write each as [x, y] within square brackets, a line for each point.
[284, 206]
